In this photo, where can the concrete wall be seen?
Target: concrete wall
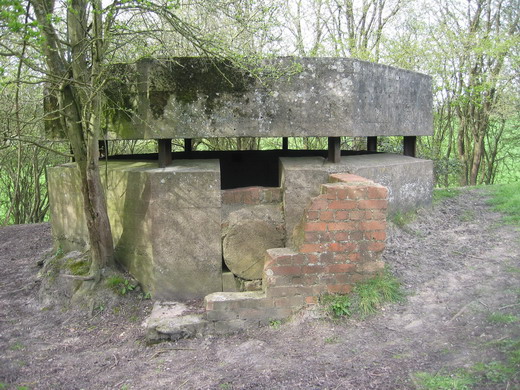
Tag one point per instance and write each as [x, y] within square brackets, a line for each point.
[169, 224]
[201, 98]
[165, 222]
[409, 180]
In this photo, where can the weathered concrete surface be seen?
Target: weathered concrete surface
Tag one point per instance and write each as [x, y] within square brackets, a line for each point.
[168, 321]
[301, 179]
[165, 222]
[199, 98]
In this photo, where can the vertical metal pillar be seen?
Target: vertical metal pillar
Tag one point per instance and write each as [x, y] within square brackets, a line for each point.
[165, 152]
[188, 145]
[372, 144]
[334, 149]
[285, 143]
[409, 145]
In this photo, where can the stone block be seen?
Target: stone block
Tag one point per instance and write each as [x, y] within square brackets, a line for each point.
[187, 258]
[156, 217]
[167, 321]
[229, 282]
[187, 184]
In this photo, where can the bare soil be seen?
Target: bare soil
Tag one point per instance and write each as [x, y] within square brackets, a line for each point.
[458, 263]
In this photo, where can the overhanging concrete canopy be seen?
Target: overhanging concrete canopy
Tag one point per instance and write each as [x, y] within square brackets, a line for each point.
[199, 98]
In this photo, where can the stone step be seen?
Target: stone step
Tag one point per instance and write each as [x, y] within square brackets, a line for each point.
[173, 321]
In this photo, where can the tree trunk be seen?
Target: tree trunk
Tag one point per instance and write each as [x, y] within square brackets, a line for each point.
[79, 103]
[478, 151]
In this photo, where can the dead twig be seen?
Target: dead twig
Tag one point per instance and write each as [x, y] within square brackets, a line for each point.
[460, 312]
[116, 361]
[482, 303]
[170, 349]
[118, 385]
[507, 306]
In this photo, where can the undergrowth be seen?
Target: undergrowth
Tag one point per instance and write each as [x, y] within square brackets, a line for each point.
[506, 199]
[366, 298]
[496, 374]
[439, 194]
[400, 218]
[120, 285]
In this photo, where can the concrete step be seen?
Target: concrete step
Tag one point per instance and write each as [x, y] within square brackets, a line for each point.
[173, 321]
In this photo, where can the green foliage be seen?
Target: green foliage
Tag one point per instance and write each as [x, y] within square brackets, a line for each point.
[331, 340]
[458, 381]
[367, 297]
[503, 318]
[79, 267]
[402, 219]
[275, 324]
[3, 385]
[59, 252]
[17, 346]
[145, 296]
[495, 372]
[120, 285]
[506, 199]
[337, 305]
[440, 194]
[501, 372]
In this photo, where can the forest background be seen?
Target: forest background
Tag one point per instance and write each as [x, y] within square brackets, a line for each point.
[469, 47]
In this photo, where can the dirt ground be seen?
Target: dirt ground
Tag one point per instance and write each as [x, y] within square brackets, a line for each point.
[458, 263]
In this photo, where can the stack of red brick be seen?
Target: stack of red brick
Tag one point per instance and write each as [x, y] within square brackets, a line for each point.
[339, 242]
[252, 195]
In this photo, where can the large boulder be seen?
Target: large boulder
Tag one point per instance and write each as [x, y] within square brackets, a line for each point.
[249, 233]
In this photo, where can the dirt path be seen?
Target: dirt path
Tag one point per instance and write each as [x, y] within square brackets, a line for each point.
[458, 263]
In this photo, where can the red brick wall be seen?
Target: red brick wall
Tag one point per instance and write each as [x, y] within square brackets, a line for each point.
[339, 242]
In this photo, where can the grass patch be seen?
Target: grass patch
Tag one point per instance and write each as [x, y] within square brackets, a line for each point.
[513, 270]
[501, 372]
[366, 298]
[500, 318]
[461, 380]
[490, 374]
[17, 346]
[331, 340]
[401, 219]
[506, 199]
[440, 194]
[494, 372]
[375, 292]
